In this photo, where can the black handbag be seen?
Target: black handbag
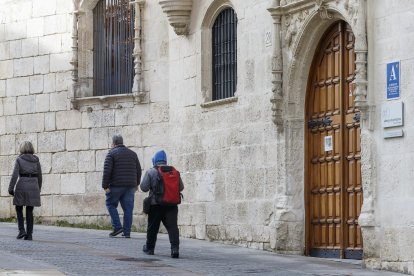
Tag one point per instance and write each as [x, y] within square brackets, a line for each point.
[147, 205]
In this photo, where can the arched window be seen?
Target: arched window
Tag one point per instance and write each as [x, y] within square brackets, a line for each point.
[224, 58]
[113, 43]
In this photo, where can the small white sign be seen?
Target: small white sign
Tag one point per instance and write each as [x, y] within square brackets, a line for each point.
[392, 114]
[393, 133]
[328, 143]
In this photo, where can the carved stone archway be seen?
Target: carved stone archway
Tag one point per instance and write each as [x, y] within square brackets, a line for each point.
[298, 27]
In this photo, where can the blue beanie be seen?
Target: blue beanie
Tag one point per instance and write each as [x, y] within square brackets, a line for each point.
[160, 158]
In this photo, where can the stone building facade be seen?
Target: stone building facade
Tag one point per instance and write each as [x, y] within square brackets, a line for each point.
[243, 158]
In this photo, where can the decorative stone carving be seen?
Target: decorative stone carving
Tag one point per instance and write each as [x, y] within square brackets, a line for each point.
[178, 13]
[277, 67]
[322, 9]
[138, 86]
[74, 60]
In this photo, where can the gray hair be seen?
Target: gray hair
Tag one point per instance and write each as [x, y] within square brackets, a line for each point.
[26, 148]
[117, 139]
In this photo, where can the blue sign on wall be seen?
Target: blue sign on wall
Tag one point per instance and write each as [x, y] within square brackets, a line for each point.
[393, 80]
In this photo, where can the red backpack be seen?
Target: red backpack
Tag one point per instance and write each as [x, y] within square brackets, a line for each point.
[167, 191]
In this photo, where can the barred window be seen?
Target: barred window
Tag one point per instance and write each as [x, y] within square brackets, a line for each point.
[224, 38]
[113, 42]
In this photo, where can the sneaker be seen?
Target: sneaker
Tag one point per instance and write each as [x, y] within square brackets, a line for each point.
[147, 251]
[21, 234]
[116, 232]
[126, 235]
[175, 253]
[28, 237]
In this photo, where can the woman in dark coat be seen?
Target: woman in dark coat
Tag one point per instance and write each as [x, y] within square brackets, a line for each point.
[28, 175]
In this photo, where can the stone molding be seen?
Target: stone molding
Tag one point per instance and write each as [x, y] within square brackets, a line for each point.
[219, 102]
[178, 13]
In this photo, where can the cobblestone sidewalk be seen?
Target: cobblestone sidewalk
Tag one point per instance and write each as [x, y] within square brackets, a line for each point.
[70, 251]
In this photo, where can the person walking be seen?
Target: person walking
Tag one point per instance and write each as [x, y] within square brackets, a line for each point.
[25, 186]
[160, 212]
[121, 176]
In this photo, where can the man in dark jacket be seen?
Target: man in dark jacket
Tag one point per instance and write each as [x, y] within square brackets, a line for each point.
[121, 176]
[166, 214]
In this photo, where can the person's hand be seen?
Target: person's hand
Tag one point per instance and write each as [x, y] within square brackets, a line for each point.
[107, 190]
[11, 192]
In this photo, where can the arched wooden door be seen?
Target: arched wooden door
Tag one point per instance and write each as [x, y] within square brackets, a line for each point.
[333, 150]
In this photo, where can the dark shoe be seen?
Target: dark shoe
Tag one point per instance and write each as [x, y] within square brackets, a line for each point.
[28, 237]
[175, 253]
[147, 251]
[126, 236]
[21, 234]
[116, 232]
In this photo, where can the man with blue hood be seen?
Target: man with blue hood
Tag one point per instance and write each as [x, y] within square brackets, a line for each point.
[160, 213]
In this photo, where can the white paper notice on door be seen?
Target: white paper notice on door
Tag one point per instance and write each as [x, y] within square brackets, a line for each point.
[328, 143]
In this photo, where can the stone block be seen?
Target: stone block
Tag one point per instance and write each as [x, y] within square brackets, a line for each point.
[214, 214]
[5, 207]
[255, 179]
[73, 183]
[26, 104]
[9, 106]
[41, 64]
[50, 121]
[159, 112]
[5, 182]
[30, 47]
[12, 124]
[2, 125]
[49, 83]
[16, 30]
[23, 67]
[51, 141]
[2, 32]
[92, 119]
[4, 51]
[18, 87]
[31, 137]
[58, 101]
[77, 139]
[131, 134]
[99, 138]
[86, 160]
[7, 144]
[35, 27]
[15, 49]
[132, 116]
[50, 44]
[60, 62]
[45, 162]
[190, 67]
[235, 184]
[100, 159]
[36, 84]
[43, 8]
[69, 205]
[65, 162]
[200, 232]
[63, 6]
[33, 123]
[108, 117]
[154, 135]
[63, 81]
[2, 88]
[51, 184]
[71, 119]
[94, 204]
[205, 186]
[46, 210]
[42, 103]
[6, 69]
[55, 24]
[93, 182]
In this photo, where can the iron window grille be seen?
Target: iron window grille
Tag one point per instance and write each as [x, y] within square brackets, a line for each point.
[113, 42]
[224, 44]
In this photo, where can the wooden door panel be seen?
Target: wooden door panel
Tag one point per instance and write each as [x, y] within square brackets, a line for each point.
[335, 191]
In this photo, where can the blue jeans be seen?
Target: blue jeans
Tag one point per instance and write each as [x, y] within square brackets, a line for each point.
[125, 196]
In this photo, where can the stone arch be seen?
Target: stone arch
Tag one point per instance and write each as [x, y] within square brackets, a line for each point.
[297, 63]
[209, 18]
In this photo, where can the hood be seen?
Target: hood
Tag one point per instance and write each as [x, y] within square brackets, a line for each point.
[30, 158]
[160, 158]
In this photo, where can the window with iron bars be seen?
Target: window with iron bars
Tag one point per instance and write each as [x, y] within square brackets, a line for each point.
[113, 44]
[224, 39]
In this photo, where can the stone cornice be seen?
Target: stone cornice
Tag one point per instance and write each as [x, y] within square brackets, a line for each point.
[178, 13]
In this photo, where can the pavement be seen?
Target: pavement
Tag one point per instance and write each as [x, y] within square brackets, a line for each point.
[72, 251]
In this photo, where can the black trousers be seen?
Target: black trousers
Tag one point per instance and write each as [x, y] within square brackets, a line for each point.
[168, 216]
[29, 218]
